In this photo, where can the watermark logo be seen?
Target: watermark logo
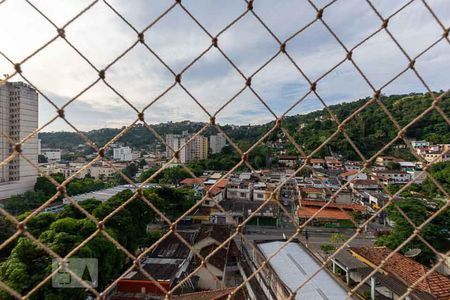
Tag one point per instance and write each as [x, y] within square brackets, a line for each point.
[84, 268]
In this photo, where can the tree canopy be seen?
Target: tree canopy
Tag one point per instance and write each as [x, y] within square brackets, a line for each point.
[28, 264]
[420, 202]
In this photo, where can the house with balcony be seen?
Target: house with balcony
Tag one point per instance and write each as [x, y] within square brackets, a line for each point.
[312, 194]
[420, 144]
[333, 163]
[240, 190]
[288, 161]
[317, 163]
[351, 175]
[365, 184]
[392, 176]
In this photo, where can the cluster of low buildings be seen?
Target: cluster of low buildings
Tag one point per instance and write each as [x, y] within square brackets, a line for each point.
[121, 156]
[177, 264]
[196, 148]
[336, 193]
[212, 262]
[398, 274]
[97, 171]
[350, 190]
[432, 152]
[169, 264]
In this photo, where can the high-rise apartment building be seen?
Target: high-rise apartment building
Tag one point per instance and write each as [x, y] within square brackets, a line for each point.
[122, 153]
[217, 142]
[52, 155]
[18, 118]
[196, 149]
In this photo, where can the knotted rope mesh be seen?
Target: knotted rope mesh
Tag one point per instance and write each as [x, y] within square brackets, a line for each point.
[210, 123]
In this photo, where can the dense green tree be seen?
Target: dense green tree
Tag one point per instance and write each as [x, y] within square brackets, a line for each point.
[129, 171]
[45, 189]
[174, 175]
[25, 267]
[151, 237]
[393, 166]
[25, 202]
[39, 223]
[131, 221]
[436, 232]
[171, 201]
[45, 186]
[28, 264]
[440, 172]
[146, 174]
[142, 163]
[71, 211]
[7, 229]
[80, 186]
[42, 159]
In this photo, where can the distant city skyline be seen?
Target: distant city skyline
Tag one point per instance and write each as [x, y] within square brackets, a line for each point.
[101, 36]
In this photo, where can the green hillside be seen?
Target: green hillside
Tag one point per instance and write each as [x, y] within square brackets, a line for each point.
[370, 129]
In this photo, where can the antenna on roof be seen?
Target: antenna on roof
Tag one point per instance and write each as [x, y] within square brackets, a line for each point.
[413, 252]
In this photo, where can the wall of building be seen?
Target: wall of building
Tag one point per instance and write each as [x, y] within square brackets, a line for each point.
[53, 155]
[189, 150]
[18, 118]
[122, 154]
[217, 143]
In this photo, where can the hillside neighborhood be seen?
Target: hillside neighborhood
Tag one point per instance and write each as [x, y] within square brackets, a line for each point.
[193, 215]
[330, 200]
[224, 150]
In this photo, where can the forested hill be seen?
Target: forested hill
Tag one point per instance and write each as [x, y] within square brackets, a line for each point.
[370, 129]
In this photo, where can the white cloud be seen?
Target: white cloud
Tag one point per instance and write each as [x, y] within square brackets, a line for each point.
[101, 36]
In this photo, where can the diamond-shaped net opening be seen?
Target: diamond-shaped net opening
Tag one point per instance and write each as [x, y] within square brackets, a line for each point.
[305, 196]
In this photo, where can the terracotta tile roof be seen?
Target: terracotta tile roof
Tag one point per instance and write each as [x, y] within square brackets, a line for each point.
[287, 157]
[317, 161]
[407, 270]
[191, 181]
[210, 295]
[391, 158]
[332, 161]
[327, 213]
[348, 173]
[346, 206]
[365, 182]
[263, 172]
[311, 190]
[215, 190]
[389, 172]
[222, 183]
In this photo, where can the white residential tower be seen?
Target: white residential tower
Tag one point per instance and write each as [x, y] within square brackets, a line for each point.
[18, 118]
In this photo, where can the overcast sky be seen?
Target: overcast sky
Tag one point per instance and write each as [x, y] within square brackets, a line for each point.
[101, 36]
